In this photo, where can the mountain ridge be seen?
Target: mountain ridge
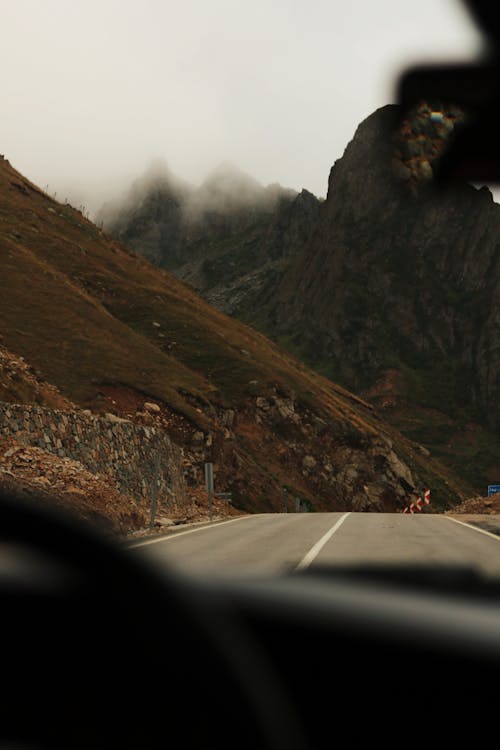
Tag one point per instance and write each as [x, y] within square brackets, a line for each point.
[111, 331]
[387, 274]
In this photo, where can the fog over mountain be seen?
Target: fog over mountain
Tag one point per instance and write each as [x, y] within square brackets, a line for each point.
[225, 190]
[93, 90]
[168, 220]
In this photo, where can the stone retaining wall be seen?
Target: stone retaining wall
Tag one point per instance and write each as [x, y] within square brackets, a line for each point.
[123, 451]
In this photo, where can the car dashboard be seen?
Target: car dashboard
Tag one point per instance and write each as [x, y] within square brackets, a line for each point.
[101, 649]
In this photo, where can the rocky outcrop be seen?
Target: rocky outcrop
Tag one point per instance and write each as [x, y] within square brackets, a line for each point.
[399, 273]
[355, 468]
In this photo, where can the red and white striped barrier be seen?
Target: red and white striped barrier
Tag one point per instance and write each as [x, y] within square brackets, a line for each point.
[418, 505]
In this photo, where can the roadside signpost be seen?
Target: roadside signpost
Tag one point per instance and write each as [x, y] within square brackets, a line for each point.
[209, 484]
[419, 504]
[493, 489]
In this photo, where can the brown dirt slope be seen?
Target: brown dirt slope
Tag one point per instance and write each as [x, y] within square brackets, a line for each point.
[21, 383]
[32, 472]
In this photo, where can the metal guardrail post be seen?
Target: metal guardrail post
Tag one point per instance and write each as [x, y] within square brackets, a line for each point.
[209, 484]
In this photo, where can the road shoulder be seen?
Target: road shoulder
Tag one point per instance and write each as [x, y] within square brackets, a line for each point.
[485, 521]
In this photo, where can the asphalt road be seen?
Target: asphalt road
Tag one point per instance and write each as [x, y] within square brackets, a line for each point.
[274, 543]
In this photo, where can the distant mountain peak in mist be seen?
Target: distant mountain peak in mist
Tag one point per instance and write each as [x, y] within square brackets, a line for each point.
[226, 190]
[159, 176]
[227, 176]
[169, 221]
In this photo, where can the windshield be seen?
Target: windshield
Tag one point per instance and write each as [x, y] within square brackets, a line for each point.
[244, 328]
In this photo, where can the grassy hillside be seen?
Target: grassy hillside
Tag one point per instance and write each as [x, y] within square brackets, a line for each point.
[93, 316]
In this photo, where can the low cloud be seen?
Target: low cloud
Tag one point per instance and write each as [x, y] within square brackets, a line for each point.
[226, 191]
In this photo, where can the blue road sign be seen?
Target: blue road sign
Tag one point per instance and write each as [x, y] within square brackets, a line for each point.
[493, 489]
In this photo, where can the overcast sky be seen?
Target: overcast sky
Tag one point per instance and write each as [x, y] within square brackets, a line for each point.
[92, 90]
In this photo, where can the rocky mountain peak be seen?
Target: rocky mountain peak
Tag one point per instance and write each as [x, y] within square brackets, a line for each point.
[159, 176]
[365, 167]
[403, 275]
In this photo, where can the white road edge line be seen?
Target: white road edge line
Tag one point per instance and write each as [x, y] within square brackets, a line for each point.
[316, 549]
[474, 528]
[192, 531]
